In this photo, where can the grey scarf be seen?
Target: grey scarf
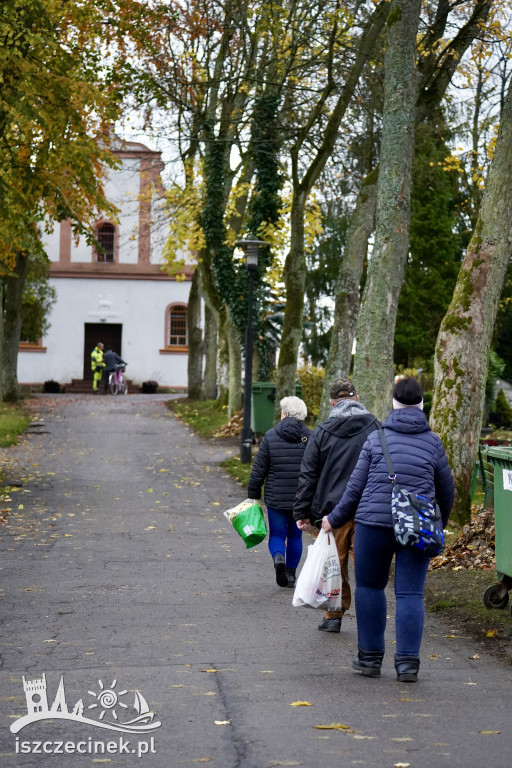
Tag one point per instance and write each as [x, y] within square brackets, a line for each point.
[346, 408]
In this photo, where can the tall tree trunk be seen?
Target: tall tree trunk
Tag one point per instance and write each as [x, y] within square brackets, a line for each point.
[235, 369]
[348, 289]
[295, 266]
[373, 369]
[222, 368]
[1, 338]
[295, 279]
[13, 292]
[210, 355]
[195, 339]
[229, 364]
[436, 77]
[464, 341]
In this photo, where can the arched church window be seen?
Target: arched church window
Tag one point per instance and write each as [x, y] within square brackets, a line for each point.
[177, 325]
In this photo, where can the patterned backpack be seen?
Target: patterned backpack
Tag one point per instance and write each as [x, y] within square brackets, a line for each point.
[417, 520]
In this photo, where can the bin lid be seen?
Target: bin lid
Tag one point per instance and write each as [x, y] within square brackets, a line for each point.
[259, 385]
[500, 452]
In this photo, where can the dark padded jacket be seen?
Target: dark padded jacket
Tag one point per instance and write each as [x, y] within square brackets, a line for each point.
[419, 462]
[331, 455]
[277, 464]
[111, 359]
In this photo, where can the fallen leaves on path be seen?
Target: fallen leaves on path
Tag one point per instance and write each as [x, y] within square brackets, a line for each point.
[335, 727]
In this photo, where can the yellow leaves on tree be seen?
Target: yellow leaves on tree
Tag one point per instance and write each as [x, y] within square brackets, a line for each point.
[60, 94]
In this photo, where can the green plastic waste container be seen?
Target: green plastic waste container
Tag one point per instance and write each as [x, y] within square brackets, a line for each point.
[262, 404]
[497, 595]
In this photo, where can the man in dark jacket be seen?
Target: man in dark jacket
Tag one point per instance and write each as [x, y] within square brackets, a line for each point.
[112, 360]
[331, 455]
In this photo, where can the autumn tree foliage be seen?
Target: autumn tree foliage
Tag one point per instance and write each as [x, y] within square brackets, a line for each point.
[62, 70]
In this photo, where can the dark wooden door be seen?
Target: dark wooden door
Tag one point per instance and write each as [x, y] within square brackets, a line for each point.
[110, 334]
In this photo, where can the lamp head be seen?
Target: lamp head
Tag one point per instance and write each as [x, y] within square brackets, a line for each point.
[251, 247]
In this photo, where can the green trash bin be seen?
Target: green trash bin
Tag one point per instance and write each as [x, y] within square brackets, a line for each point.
[497, 595]
[487, 475]
[262, 404]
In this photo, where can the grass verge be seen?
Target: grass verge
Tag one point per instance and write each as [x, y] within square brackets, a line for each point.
[14, 420]
[456, 597]
[238, 470]
[204, 416]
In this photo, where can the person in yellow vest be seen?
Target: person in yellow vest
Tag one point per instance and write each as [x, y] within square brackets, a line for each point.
[97, 366]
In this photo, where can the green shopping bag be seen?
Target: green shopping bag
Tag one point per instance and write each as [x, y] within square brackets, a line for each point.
[248, 521]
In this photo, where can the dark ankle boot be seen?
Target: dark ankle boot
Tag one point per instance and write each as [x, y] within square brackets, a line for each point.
[368, 663]
[406, 668]
[290, 573]
[279, 565]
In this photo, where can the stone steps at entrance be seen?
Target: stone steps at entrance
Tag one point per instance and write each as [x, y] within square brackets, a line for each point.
[84, 387]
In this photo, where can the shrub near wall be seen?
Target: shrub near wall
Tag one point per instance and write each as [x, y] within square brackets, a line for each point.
[312, 381]
[501, 414]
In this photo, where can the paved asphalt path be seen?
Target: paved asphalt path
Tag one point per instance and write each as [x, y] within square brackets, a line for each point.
[120, 574]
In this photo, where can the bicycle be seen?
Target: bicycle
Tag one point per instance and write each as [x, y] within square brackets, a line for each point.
[116, 381]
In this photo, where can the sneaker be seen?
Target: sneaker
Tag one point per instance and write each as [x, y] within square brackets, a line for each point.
[330, 625]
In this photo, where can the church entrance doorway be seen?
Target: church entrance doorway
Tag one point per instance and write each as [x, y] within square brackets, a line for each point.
[110, 334]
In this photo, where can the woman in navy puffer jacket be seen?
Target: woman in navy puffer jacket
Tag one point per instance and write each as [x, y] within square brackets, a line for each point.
[421, 466]
[277, 465]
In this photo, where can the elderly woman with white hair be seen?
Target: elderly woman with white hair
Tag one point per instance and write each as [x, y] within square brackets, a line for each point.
[277, 465]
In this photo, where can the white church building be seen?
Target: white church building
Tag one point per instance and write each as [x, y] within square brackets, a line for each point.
[119, 294]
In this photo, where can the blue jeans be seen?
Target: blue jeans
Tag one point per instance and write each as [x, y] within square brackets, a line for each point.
[373, 552]
[284, 537]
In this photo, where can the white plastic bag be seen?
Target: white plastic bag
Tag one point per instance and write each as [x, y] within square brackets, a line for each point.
[319, 582]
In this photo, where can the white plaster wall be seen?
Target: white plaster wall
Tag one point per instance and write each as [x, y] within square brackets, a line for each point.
[123, 189]
[139, 305]
[159, 230]
[51, 242]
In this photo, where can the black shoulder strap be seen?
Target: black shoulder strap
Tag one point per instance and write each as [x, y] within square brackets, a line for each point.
[385, 450]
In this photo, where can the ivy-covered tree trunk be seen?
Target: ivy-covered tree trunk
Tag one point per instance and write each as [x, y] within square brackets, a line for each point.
[373, 368]
[348, 289]
[195, 339]
[463, 345]
[210, 355]
[12, 311]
